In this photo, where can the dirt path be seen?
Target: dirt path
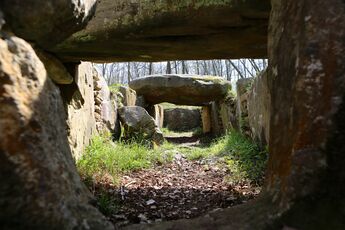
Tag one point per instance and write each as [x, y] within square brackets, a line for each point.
[181, 189]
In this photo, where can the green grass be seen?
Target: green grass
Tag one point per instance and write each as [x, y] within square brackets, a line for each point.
[194, 132]
[104, 158]
[244, 158]
[114, 88]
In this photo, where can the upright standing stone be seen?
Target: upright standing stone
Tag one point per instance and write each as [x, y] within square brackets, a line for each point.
[80, 105]
[306, 172]
[206, 119]
[40, 187]
[259, 100]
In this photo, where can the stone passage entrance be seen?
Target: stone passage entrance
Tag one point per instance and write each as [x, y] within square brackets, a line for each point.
[305, 45]
[204, 91]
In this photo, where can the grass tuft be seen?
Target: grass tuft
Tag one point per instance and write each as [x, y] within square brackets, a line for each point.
[244, 158]
[104, 159]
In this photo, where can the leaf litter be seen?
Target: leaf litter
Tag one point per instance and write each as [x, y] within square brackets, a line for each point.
[182, 189]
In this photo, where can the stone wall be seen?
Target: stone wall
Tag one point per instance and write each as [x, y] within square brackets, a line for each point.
[157, 112]
[41, 188]
[227, 110]
[182, 119]
[105, 106]
[206, 119]
[216, 122]
[129, 96]
[259, 109]
[80, 108]
[243, 87]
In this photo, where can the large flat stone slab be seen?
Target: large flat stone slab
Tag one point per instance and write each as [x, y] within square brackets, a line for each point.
[181, 89]
[140, 30]
[47, 22]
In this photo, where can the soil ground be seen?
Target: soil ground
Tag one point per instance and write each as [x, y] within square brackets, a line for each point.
[181, 189]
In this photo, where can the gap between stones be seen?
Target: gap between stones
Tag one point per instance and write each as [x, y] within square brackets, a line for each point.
[180, 189]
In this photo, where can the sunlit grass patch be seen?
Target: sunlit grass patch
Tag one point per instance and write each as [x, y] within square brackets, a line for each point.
[104, 158]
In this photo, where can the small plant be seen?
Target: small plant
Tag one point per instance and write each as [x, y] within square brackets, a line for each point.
[106, 159]
[251, 159]
[244, 158]
[107, 204]
[114, 88]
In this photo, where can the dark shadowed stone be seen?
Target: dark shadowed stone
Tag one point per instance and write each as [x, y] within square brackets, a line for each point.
[154, 30]
[182, 119]
[180, 89]
[47, 22]
[306, 171]
[136, 120]
[40, 187]
[243, 87]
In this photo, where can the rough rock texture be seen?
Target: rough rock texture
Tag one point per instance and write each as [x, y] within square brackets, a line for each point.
[136, 120]
[105, 106]
[259, 100]
[180, 89]
[129, 96]
[182, 119]
[80, 106]
[305, 177]
[206, 119]
[40, 188]
[306, 167]
[47, 22]
[216, 120]
[157, 112]
[243, 87]
[155, 30]
[228, 113]
[56, 70]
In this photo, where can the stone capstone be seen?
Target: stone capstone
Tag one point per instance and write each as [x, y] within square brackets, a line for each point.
[139, 30]
[182, 119]
[137, 121]
[180, 89]
[41, 188]
[47, 22]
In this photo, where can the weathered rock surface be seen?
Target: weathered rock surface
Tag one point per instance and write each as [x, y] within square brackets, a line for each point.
[159, 30]
[47, 22]
[80, 106]
[182, 119]
[228, 113]
[40, 188]
[243, 87]
[157, 112]
[216, 120]
[306, 140]
[206, 119]
[180, 89]
[55, 69]
[136, 120]
[259, 100]
[129, 96]
[105, 106]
